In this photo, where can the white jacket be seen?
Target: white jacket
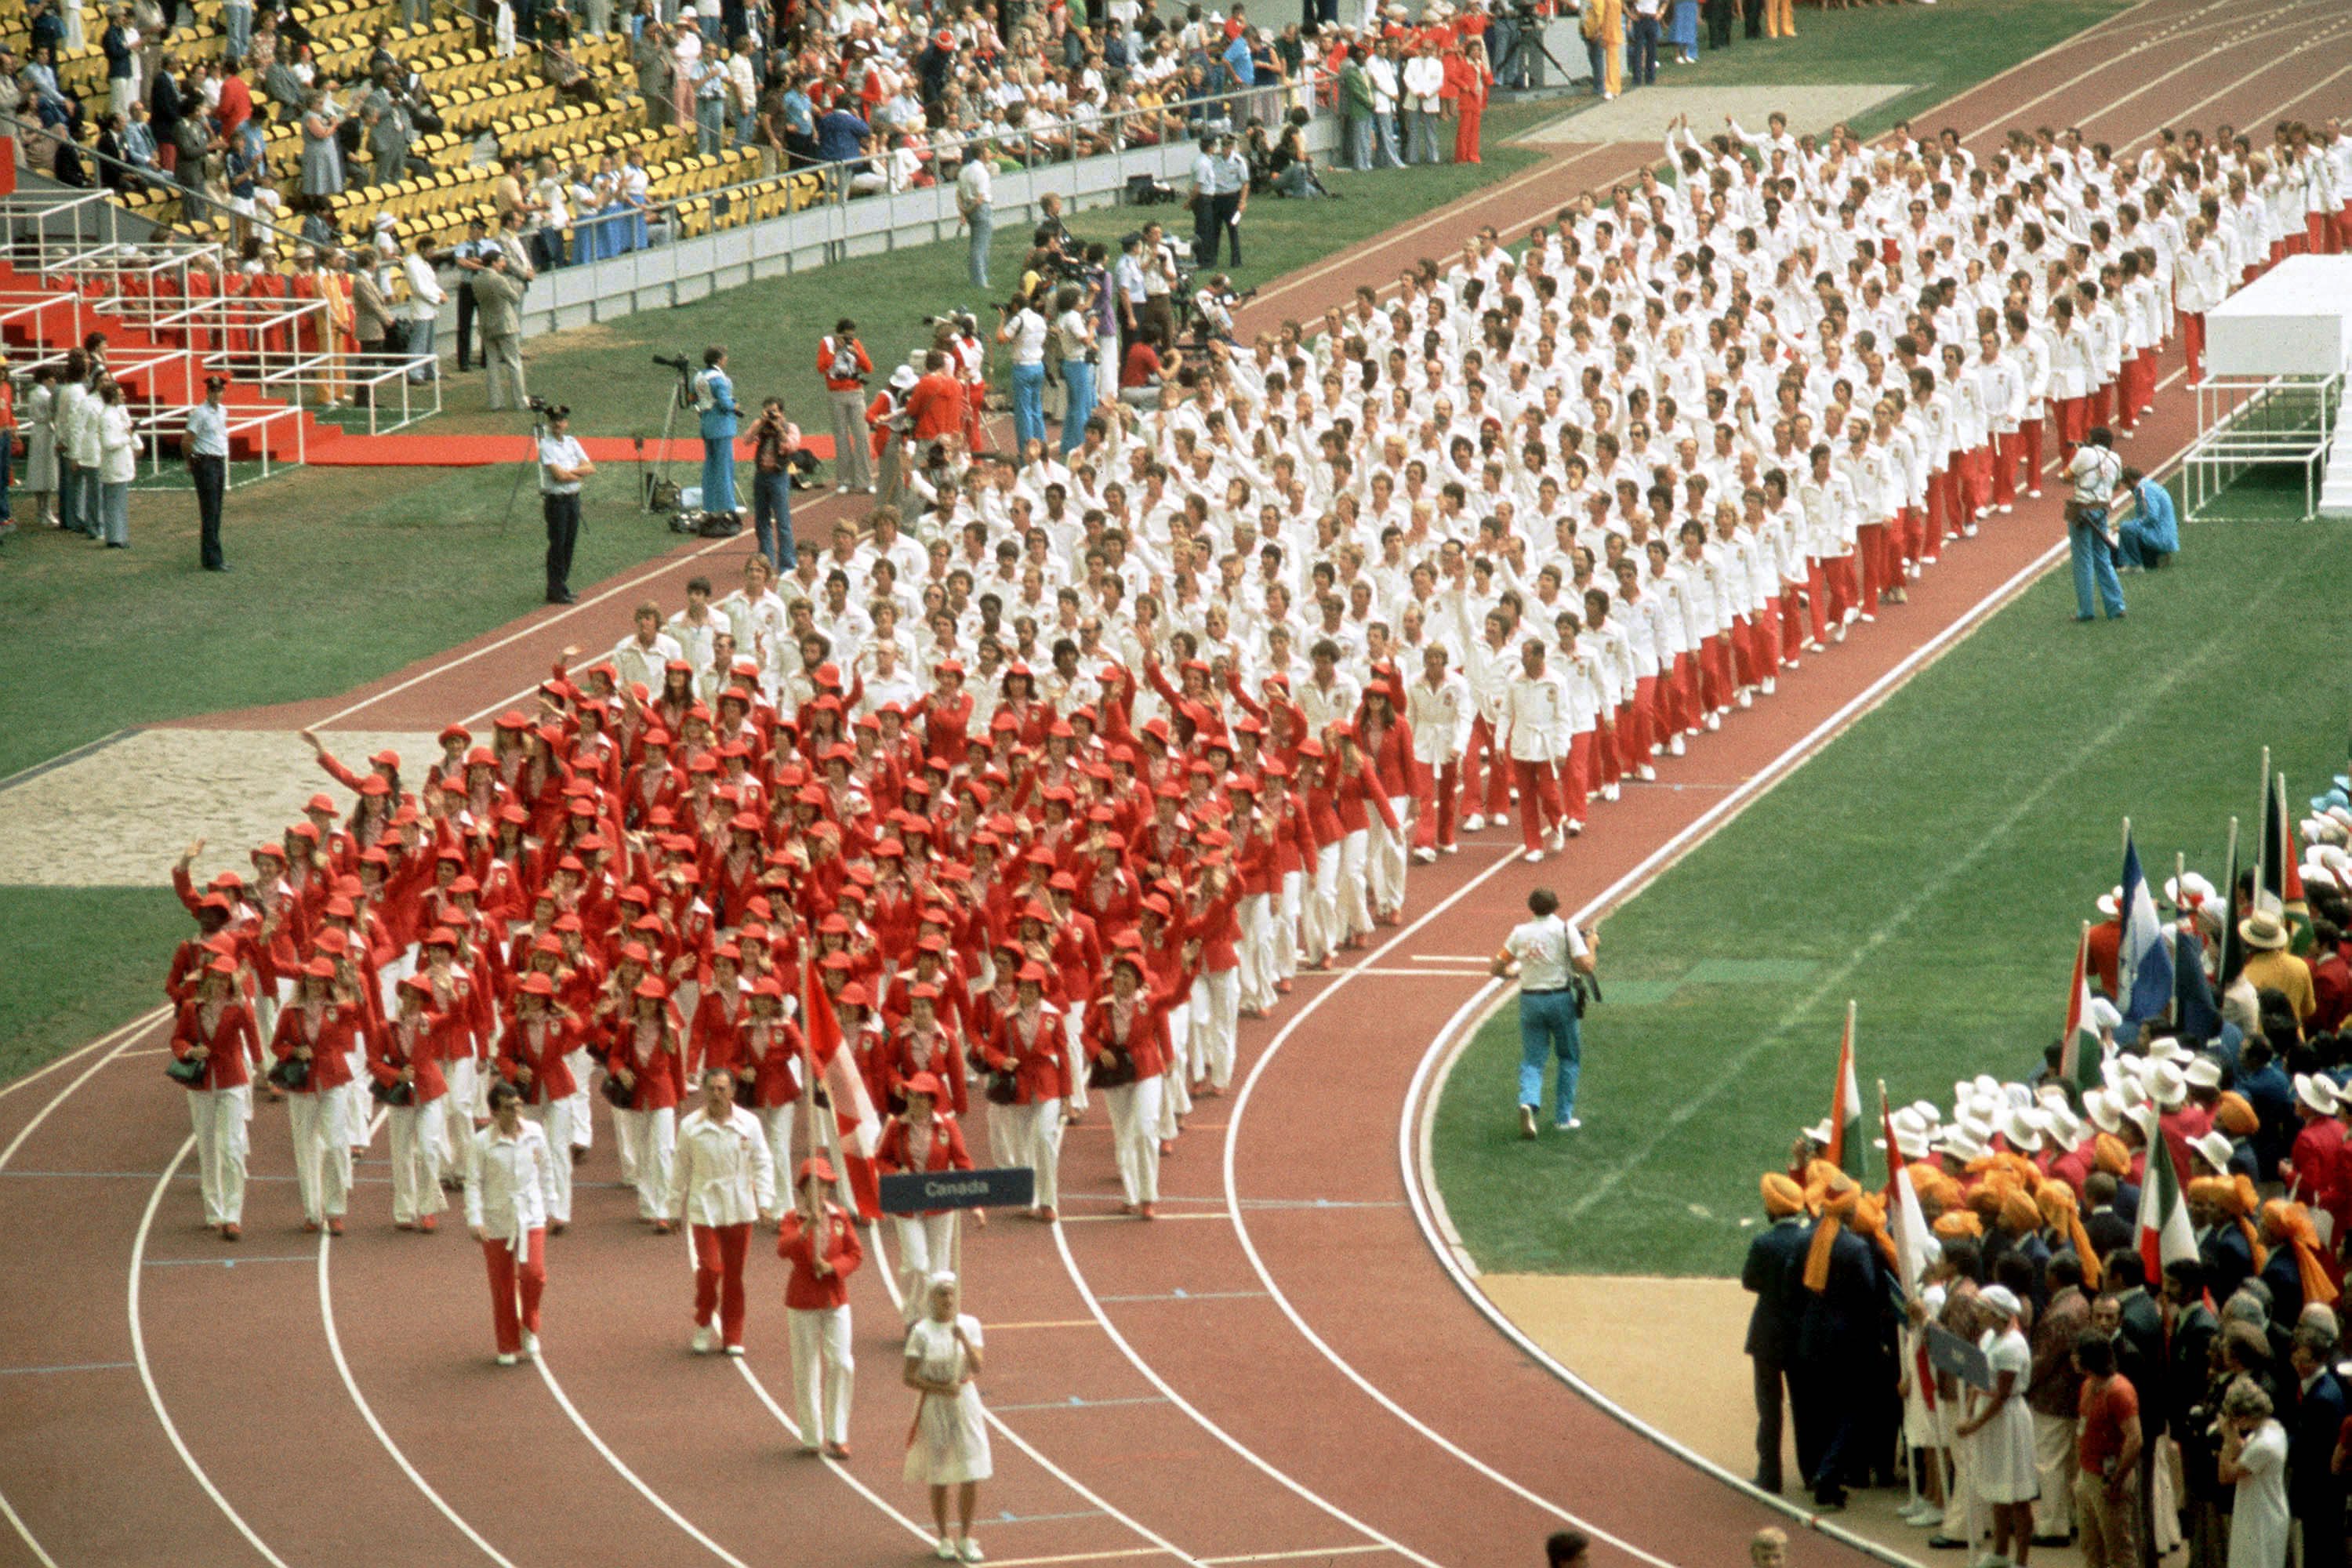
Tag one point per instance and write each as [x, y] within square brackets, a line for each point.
[1440, 717]
[509, 1183]
[1540, 718]
[722, 1172]
[118, 462]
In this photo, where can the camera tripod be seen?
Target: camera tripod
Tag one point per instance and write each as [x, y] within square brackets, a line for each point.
[527, 466]
[656, 492]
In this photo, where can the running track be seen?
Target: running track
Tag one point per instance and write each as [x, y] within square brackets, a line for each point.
[1278, 1371]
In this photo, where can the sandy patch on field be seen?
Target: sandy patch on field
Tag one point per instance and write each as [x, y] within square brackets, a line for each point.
[1644, 115]
[120, 816]
[1668, 1350]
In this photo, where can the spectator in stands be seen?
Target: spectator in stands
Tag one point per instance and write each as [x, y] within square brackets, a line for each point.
[651, 57]
[322, 150]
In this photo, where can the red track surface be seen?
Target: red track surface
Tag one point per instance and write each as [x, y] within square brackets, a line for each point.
[344, 1410]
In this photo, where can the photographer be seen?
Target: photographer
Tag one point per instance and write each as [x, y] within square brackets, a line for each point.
[714, 402]
[1213, 309]
[1052, 235]
[1021, 328]
[1552, 960]
[775, 443]
[562, 464]
[842, 360]
[1073, 340]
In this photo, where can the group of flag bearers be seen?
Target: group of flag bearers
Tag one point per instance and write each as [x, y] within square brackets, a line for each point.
[2040, 1275]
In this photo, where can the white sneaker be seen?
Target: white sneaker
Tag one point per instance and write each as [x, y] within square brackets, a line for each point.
[2032, 495]
[946, 1550]
[1501, 819]
[1770, 685]
[705, 1339]
[735, 1350]
[2004, 509]
[1424, 856]
[1841, 631]
[1472, 823]
[1609, 793]
[1556, 839]
[1452, 849]
[1746, 698]
[1534, 857]
[1675, 746]
[1713, 722]
[1572, 829]
[971, 1552]
[506, 1360]
[1646, 773]
[530, 1345]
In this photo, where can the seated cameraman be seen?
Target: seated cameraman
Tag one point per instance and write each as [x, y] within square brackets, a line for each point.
[1212, 312]
[1292, 167]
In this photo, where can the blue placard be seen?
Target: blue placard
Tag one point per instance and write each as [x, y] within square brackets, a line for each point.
[924, 1191]
[1947, 1352]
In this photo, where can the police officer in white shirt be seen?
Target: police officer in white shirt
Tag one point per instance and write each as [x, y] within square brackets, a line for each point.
[562, 464]
[1545, 955]
[207, 449]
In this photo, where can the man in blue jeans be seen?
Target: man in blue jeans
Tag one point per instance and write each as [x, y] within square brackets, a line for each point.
[714, 404]
[1545, 953]
[2149, 533]
[2097, 474]
[1642, 44]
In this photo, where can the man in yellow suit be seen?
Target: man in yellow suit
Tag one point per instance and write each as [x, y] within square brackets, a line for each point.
[1604, 42]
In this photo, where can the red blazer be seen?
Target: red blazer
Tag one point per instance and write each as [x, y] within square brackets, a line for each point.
[388, 1052]
[329, 1046]
[1147, 1038]
[551, 1077]
[798, 1244]
[945, 1152]
[771, 1051]
[233, 1045]
[1037, 1065]
[946, 1060]
[659, 1077]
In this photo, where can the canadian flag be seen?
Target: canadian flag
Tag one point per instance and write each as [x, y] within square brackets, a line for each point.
[858, 1127]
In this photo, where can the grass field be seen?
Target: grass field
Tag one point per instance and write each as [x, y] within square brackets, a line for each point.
[1932, 864]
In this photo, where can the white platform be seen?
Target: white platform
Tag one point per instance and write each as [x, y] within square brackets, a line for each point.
[2295, 320]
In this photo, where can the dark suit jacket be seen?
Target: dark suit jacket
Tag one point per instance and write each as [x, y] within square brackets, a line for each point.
[2311, 1490]
[1840, 1319]
[2139, 1354]
[2109, 1229]
[2228, 1258]
[1775, 1272]
[2284, 1277]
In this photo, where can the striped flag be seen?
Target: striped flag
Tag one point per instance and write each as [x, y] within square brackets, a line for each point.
[855, 1124]
[2166, 1234]
[1845, 1109]
[2145, 958]
[1904, 1216]
[2079, 1053]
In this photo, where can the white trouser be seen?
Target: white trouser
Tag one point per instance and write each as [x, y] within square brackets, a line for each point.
[356, 1107]
[266, 1000]
[583, 1119]
[926, 1243]
[218, 1116]
[1285, 935]
[1966, 1517]
[323, 1154]
[1134, 1137]
[821, 1335]
[555, 1121]
[416, 1163]
[776, 1122]
[1005, 1128]
[1323, 928]
[1073, 1019]
[1393, 855]
[1216, 1000]
[1175, 1096]
[1041, 1142]
[453, 1129]
[2055, 1461]
[1355, 857]
[646, 1140]
[1256, 950]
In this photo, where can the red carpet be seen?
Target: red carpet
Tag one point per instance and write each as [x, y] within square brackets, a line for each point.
[410, 450]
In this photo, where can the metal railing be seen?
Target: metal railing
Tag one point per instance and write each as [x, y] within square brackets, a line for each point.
[2248, 422]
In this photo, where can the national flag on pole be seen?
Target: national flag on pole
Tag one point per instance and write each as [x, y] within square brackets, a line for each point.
[2145, 958]
[2194, 1010]
[2282, 875]
[1905, 1218]
[2233, 956]
[859, 1129]
[2166, 1234]
[1845, 1109]
[2079, 1052]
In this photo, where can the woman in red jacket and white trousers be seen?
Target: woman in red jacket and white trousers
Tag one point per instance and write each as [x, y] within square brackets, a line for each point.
[819, 1239]
[214, 1031]
[404, 1059]
[509, 1182]
[767, 1063]
[926, 1138]
[1030, 1044]
[720, 1183]
[320, 1029]
[646, 1060]
[1127, 1047]
[534, 1056]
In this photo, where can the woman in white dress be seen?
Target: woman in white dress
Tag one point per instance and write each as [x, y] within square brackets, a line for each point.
[948, 1445]
[2000, 1429]
[2253, 1458]
[41, 446]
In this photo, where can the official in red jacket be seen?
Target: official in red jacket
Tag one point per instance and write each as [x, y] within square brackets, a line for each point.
[819, 1239]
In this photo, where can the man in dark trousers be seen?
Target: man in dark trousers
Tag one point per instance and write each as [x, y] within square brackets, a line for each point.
[1835, 1333]
[207, 453]
[562, 464]
[2315, 1492]
[1774, 1273]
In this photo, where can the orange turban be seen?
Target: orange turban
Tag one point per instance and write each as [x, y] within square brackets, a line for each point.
[2235, 1117]
[2109, 1155]
[2060, 1213]
[2235, 1198]
[1783, 1197]
[2020, 1214]
[1958, 1222]
[1835, 1197]
[2292, 1223]
[1870, 1220]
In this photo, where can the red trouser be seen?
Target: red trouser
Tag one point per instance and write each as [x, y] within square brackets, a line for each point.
[1837, 576]
[2192, 333]
[2073, 424]
[2004, 468]
[2099, 409]
[1792, 621]
[719, 1277]
[1607, 767]
[1497, 770]
[2029, 431]
[1576, 777]
[1637, 721]
[508, 1282]
[1817, 598]
[1764, 635]
[1870, 543]
[1538, 799]
[1975, 470]
[1439, 790]
[1744, 662]
[1910, 532]
[1682, 694]
[1715, 674]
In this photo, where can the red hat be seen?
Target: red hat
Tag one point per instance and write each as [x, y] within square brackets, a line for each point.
[851, 995]
[767, 986]
[319, 969]
[214, 902]
[1033, 972]
[651, 989]
[320, 803]
[221, 967]
[816, 1168]
[332, 940]
[441, 936]
[276, 851]
[342, 908]
[1062, 882]
[931, 943]
[924, 1083]
[416, 985]
[538, 985]
[635, 953]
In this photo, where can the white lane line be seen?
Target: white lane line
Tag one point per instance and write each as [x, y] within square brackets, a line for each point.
[2172, 35]
[918, 1530]
[367, 1411]
[621, 1469]
[1152, 1376]
[147, 1372]
[124, 1034]
[154, 1015]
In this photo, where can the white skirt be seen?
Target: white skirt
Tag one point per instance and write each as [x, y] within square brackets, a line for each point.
[2005, 1468]
[949, 1445]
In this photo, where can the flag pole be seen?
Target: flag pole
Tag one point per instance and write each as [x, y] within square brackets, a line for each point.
[2262, 836]
[1894, 1217]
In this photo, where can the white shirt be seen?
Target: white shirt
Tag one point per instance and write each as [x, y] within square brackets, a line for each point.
[1544, 950]
[722, 1172]
[555, 452]
[207, 431]
[635, 662]
[509, 1183]
[424, 290]
[975, 187]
